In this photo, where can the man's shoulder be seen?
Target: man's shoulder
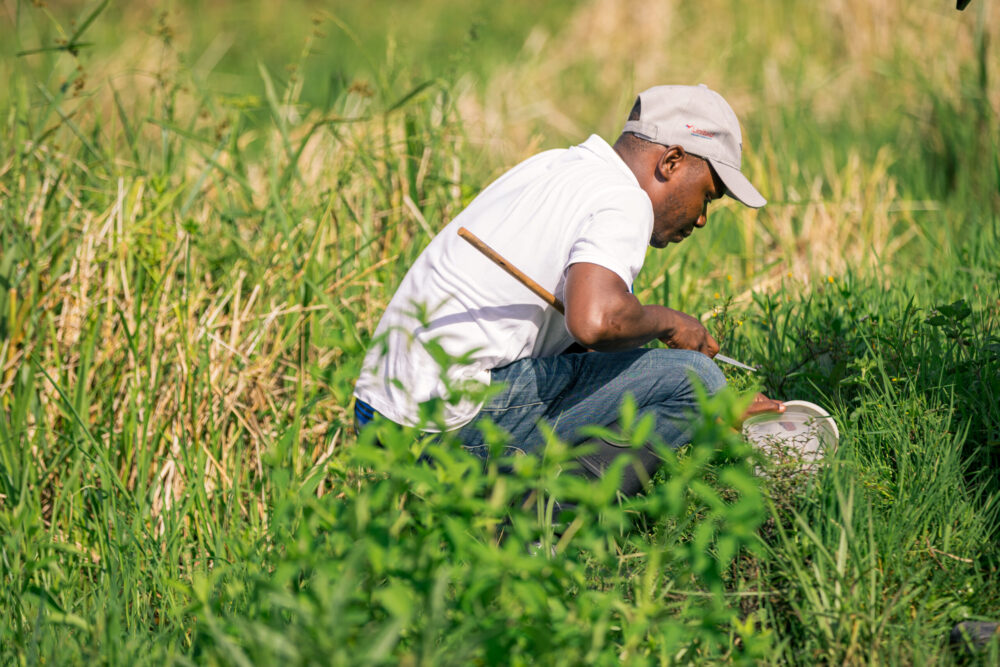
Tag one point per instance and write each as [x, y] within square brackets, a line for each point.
[593, 155]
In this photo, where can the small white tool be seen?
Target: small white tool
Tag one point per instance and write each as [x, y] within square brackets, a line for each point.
[732, 362]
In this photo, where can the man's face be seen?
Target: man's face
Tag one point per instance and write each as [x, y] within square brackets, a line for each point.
[681, 203]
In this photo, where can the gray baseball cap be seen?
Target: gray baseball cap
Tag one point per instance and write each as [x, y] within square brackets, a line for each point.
[699, 120]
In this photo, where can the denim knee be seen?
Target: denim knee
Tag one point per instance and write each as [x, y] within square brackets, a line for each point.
[700, 366]
[710, 375]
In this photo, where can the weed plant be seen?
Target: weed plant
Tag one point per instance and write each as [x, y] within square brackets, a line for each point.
[193, 258]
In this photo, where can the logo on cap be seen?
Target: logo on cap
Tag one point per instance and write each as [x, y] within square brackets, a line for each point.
[704, 134]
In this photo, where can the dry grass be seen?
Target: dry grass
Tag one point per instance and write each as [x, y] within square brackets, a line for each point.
[192, 277]
[844, 212]
[219, 363]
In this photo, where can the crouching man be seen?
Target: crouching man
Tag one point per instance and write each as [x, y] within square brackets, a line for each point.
[578, 222]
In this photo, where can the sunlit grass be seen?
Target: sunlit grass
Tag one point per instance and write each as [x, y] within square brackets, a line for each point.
[190, 273]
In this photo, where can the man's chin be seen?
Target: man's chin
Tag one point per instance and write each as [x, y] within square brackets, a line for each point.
[663, 243]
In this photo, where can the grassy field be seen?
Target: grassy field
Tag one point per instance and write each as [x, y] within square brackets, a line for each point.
[204, 208]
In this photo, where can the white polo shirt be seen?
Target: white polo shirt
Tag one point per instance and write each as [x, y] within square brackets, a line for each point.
[581, 204]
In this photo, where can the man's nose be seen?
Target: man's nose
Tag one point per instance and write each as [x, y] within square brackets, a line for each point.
[703, 218]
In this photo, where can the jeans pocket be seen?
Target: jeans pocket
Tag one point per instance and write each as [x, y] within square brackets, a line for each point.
[529, 383]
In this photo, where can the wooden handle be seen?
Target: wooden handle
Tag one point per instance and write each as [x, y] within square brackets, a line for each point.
[497, 259]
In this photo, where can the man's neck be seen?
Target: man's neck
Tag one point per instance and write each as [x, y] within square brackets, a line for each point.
[636, 162]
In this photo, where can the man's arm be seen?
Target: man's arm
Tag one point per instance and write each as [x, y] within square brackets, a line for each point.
[603, 315]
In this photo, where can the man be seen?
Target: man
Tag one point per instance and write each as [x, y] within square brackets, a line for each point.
[578, 222]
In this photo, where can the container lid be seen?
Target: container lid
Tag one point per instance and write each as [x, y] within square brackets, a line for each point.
[803, 433]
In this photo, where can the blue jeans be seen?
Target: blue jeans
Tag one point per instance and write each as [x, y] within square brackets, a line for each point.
[570, 391]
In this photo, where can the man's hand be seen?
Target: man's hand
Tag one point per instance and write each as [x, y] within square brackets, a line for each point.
[689, 334]
[762, 404]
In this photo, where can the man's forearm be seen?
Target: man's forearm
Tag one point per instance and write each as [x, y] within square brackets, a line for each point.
[633, 325]
[602, 314]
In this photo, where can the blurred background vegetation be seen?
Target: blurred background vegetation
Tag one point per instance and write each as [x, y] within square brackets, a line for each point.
[204, 208]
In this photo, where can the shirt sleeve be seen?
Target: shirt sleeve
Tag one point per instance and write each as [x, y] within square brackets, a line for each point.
[615, 235]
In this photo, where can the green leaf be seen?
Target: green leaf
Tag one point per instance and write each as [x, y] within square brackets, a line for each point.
[958, 310]
[937, 320]
[398, 599]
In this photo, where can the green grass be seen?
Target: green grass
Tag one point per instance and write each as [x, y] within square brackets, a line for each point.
[196, 243]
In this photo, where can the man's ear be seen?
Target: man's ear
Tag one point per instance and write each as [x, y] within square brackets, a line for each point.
[669, 161]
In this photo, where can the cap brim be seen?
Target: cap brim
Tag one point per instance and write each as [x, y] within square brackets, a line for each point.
[737, 185]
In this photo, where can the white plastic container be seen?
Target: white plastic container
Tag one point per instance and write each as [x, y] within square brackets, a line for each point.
[803, 434]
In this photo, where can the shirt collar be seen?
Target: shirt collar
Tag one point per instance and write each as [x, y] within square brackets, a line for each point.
[603, 150]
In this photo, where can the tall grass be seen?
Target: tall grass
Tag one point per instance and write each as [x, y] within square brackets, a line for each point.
[192, 266]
